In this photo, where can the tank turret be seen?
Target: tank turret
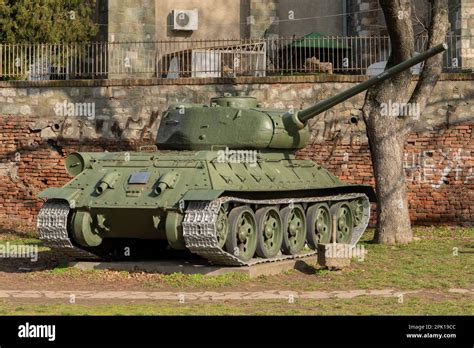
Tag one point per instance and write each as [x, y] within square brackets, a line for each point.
[240, 122]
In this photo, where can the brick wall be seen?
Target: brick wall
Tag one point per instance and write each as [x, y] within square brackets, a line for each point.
[30, 163]
[34, 140]
[438, 166]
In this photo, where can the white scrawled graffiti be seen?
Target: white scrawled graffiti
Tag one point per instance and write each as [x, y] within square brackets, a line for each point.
[434, 166]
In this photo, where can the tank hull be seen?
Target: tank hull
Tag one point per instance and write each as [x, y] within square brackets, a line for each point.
[150, 196]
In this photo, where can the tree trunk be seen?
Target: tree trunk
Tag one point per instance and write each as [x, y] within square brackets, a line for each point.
[393, 219]
[388, 133]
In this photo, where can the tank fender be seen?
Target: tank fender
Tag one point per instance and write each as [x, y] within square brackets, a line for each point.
[64, 193]
[202, 195]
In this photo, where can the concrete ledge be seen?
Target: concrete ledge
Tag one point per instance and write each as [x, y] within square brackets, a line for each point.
[213, 81]
[198, 267]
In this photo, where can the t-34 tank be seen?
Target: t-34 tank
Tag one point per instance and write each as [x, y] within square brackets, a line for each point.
[224, 184]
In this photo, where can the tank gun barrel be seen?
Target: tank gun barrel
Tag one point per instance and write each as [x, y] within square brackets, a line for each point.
[301, 117]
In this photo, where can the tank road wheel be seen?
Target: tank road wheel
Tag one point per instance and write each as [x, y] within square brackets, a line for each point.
[294, 229]
[222, 227]
[270, 233]
[344, 222]
[319, 225]
[82, 230]
[358, 211]
[242, 238]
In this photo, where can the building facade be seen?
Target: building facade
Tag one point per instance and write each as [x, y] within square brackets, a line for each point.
[154, 25]
[145, 20]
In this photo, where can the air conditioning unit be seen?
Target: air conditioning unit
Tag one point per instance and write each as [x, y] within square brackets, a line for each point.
[185, 19]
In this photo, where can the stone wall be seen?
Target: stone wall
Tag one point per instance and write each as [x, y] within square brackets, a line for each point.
[131, 23]
[466, 29]
[264, 18]
[364, 18]
[298, 18]
[216, 19]
[36, 133]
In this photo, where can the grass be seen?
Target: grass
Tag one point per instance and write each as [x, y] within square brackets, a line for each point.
[442, 259]
[180, 280]
[364, 305]
[438, 258]
[22, 241]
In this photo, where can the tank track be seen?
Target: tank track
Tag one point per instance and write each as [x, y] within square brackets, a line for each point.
[199, 227]
[52, 228]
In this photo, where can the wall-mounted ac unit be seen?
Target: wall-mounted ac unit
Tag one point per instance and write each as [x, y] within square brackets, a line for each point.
[185, 19]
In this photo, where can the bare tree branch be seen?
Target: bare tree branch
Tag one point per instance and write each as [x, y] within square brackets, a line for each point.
[399, 26]
[417, 20]
[433, 66]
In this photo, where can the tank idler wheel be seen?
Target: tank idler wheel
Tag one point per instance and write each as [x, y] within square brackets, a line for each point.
[270, 233]
[82, 230]
[242, 237]
[294, 229]
[319, 225]
[222, 227]
[344, 222]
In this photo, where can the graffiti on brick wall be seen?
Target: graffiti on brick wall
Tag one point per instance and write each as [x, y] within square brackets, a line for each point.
[437, 167]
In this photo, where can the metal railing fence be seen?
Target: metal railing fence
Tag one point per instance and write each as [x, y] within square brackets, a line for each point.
[213, 58]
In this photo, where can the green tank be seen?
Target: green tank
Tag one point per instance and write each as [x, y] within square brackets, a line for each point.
[224, 184]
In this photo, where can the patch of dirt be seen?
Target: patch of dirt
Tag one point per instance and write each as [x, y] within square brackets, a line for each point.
[22, 274]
